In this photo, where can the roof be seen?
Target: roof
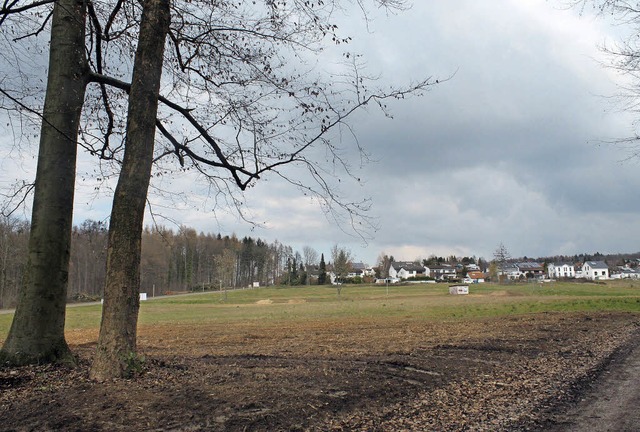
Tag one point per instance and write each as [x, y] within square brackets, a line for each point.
[597, 264]
[529, 266]
[475, 275]
[628, 270]
[409, 266]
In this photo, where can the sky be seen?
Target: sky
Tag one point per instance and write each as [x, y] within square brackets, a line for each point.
[513, 146]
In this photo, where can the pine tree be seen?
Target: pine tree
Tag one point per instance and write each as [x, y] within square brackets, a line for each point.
[322, 276]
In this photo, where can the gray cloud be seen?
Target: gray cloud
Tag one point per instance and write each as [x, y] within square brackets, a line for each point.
[510, 149]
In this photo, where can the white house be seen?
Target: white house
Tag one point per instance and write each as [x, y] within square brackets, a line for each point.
[405, 270]
[510, 271]
[353, 273]
[442, 272]
[626, 273]
[595, 270]
[561, 270]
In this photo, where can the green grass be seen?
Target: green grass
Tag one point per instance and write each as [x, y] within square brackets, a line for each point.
[424, 302]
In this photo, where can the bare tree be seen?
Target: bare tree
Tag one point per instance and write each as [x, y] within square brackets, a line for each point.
[310, 256]
[341, 264]
[383, 264]
[242, 98]
[624, 57]
[37, 330]
[501, 254]
[118, 329]
[500, 261]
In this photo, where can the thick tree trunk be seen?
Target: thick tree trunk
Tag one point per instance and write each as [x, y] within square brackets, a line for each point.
[37, 331]
[116, 352]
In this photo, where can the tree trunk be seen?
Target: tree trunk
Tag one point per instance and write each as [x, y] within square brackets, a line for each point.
[37, 331]
[116, 352]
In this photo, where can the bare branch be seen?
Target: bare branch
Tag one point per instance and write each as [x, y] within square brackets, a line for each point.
[15, 199]
[10, 7]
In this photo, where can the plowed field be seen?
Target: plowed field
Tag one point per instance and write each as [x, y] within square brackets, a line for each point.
[384, 374]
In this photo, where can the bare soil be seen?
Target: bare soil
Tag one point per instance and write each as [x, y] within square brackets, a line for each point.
[516, 373]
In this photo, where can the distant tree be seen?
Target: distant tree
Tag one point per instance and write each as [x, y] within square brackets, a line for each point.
[292, 271]
[501, 254]
[310, 256]
[501, 257]
[322, 275]
[469, 260]
[226, 268]
[14, 238]
[383, 263]
[88, 258]
[482, 263]
[493, 272]
[302, 275]
[341, 264]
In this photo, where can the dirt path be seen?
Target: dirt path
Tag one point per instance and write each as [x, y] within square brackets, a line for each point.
[611, 402]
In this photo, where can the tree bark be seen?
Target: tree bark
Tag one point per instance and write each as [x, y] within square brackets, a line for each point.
[37, 331]
[116, 352]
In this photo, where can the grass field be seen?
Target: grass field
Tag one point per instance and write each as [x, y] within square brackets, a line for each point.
[422, 302]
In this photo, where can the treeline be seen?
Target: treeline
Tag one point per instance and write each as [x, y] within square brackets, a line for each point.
[172, 261]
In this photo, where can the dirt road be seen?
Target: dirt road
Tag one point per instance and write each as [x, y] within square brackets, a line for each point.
[611, 402]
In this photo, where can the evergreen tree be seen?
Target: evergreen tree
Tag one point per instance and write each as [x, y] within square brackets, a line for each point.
[322, 275]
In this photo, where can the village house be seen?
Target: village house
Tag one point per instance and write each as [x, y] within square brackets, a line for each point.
[442, 272]
[595, 270]
[476, 276]
[625, 272]
[561, 270]
[522, 270]
[530, 270]
[509, 271]
[406, 270]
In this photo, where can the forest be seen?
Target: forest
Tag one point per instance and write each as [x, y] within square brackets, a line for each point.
[172, 261]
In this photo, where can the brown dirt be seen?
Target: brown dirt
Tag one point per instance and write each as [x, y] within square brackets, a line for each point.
[383, 375]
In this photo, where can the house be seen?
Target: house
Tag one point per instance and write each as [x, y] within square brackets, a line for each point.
[509, 271]
[353, 273]
[561, 270]
[476, 276]
[406, 270]
[626, 272]
[531, 270]
[594, 270]
[521, 270]
[442, 272]
[361, 270]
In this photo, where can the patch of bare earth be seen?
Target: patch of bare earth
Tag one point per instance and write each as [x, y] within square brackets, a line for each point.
[383, 375]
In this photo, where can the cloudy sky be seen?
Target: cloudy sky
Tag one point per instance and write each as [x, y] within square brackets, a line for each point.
[513, 148]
